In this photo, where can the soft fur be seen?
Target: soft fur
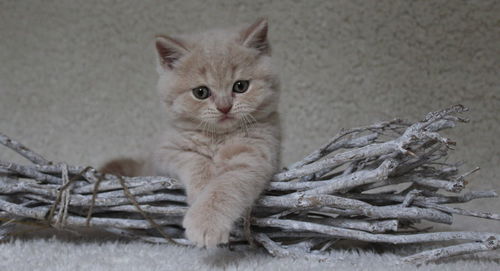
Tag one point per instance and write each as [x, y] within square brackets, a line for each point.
[224, 159]
[57, 255]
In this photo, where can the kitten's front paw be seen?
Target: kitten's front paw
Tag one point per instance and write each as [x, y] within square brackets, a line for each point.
[205, 227]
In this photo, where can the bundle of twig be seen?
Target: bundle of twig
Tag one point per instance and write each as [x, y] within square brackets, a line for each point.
[368, 184]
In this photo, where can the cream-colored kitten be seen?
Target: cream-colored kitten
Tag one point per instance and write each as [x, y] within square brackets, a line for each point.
[221, 96]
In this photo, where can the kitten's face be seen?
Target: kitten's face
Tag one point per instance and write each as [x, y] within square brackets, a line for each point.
[218, 81]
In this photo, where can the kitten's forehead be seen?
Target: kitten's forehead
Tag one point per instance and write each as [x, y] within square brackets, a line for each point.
[218, 58]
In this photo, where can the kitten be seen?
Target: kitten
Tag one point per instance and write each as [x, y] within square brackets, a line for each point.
[223, 139]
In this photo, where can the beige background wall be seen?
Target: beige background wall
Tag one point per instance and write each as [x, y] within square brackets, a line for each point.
[77, 78]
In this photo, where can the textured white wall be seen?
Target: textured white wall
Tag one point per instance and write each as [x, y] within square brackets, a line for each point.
[77, 78]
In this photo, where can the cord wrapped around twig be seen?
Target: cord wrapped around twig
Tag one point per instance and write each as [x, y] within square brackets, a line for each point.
[370, 184]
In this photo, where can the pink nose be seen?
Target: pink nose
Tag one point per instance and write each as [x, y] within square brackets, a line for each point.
[225, 109]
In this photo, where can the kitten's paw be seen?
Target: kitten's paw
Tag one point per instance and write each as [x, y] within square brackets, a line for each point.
[206, 228]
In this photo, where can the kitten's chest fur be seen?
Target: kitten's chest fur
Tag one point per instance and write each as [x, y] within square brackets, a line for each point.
[210, 145]
[263, 136]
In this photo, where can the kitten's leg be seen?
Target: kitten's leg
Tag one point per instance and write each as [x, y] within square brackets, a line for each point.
[192, 169]
[240, 178]
[195, 176]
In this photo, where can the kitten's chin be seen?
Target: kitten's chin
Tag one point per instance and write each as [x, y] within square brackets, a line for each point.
[226, 124]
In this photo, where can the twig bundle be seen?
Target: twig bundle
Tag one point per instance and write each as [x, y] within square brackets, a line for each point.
[369, 184]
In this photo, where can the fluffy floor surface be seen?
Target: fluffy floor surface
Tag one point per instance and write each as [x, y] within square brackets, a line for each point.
[53, 254]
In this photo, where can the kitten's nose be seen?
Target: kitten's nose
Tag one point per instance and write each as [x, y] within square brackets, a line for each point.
[225, 109]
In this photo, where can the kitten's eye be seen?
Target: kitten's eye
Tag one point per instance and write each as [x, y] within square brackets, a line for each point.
[201, 92]
[241, 86]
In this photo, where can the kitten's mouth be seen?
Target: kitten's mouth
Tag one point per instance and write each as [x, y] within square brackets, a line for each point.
[225, 118]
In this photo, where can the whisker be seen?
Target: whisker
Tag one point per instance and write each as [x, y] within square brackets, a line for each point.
[248, 123]
[212, 133]
[203, 126]
[252, 118]
[240, 124]
[200, 125]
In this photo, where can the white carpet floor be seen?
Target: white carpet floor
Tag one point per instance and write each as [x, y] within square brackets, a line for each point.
[56, 254]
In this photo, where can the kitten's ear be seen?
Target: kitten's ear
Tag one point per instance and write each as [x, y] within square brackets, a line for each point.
[255, 36]
[169, 51]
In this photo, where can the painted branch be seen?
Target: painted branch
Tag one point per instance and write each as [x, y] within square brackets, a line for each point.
[445, 252]
[84, 201]
[22, 150]
[375, 226]
[355, 207]
[332, 146]
[371, 237]
[357, 178]
[40, 214]
[114, 184]
[340, 159]
[278, 251]
[435, 198]
[30, 172]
